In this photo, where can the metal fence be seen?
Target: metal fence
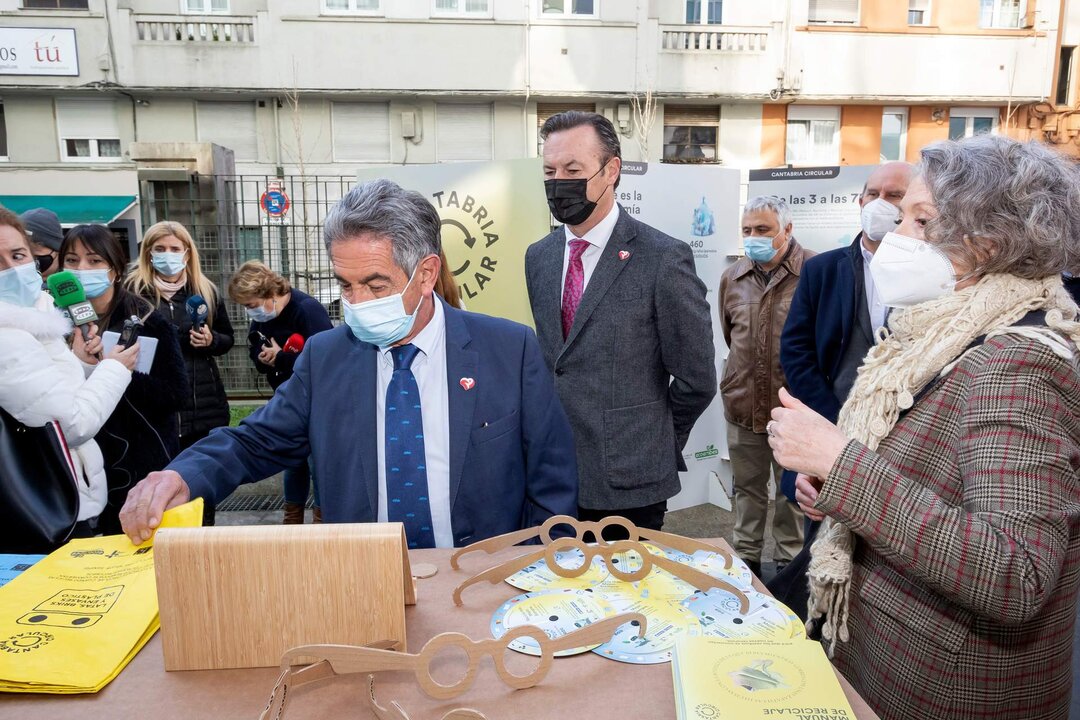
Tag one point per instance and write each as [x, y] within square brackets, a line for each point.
[235, 218]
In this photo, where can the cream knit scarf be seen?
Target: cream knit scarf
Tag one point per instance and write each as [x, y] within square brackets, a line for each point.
[926, 341]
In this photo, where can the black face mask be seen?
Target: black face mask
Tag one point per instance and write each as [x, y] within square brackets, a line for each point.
[568, 200]
[44, 262]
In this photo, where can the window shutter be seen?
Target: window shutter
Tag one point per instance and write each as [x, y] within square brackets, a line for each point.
[87, 119]
[842, 11]
[546, 110]
[691, 114]
[361, 132]
[463, 132]
[230, 124]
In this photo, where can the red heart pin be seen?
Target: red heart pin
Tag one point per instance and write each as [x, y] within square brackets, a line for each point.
[467, 383]
[623, 254]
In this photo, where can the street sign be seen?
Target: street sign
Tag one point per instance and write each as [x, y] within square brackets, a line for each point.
[274, 202]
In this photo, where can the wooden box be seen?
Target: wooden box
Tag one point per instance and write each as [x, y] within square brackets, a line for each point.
[239, 597]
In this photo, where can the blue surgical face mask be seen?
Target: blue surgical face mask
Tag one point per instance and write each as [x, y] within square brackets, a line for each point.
[20, 285]
[383, 321]
[261, 314]
[759, 249]
[168, 263]
[94, 282]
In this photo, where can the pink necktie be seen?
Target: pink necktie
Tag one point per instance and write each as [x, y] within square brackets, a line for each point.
[574, 285]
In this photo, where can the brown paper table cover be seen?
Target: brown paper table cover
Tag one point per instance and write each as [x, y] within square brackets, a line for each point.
[580, 686]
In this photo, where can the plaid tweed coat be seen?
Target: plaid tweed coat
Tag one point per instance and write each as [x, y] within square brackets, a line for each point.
[968, 553]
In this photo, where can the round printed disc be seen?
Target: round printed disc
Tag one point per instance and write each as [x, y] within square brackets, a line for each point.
[666, 622]
[538, 576]
[556, 612]
[718, 613]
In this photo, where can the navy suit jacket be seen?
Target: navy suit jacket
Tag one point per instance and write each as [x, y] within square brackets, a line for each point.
[512, 460]
[820, 324]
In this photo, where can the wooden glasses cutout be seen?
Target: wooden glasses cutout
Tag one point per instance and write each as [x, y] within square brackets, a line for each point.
[347, 659]
[698, 579]
[580, 527]
[396, 712]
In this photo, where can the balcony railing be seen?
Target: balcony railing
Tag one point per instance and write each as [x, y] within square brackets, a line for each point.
[716, 38]
[195, 29]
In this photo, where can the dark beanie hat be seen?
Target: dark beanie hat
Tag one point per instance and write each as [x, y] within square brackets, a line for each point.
[43, 227]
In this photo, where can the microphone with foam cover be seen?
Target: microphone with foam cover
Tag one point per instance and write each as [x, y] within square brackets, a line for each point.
[69, 296]
[294, 344]
[197, 311]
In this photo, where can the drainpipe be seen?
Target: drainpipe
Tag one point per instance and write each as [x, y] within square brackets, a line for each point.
[528, 75]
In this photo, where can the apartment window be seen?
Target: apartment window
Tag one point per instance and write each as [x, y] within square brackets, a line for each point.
[968, 122]
[56, 5]
[3, 134]
[546, 110]
[205, 7]
[361, 132]
[1065, 75]
[88, 130]
[463, 132]
[838, 12]
[568, 8]
[813, 135]
[462, 8]
[691, 133]
[918, 12]
[1002, 13]
[231, 125]
[894, 122]
[355, 7]
[703, 12]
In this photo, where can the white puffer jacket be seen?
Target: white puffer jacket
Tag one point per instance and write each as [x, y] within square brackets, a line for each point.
[41, 380]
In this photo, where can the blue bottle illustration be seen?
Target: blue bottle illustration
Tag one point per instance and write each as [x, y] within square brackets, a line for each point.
[704, 223]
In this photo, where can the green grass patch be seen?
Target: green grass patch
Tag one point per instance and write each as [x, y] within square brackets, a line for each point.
[238, 412]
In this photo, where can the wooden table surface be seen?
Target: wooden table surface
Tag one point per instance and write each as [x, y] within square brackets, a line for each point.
[582, 685]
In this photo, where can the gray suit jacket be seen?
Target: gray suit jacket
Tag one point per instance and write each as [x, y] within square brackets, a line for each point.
[638, 367]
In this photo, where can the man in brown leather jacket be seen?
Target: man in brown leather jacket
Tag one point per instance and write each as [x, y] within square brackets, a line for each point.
[755, 294]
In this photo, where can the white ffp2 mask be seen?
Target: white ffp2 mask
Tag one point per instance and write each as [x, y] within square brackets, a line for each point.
[878, 218]
[908, 271]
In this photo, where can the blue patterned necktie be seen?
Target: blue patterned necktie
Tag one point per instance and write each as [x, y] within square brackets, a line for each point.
[406, 472]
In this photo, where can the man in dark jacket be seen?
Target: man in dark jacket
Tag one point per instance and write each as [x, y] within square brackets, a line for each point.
[831, 324]
[830, 327]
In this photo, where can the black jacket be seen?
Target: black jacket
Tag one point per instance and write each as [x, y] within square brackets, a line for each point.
[305, 316]
[141, 436]
[820, 325]
[205, 406]
[1072, 284]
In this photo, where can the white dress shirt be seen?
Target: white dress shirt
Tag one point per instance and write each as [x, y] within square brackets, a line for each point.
[429, 369]
[874, 305]
[597, 238]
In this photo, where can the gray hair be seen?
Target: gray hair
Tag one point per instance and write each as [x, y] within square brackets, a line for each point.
[770, 202]
[1021, 198]
[384, 208]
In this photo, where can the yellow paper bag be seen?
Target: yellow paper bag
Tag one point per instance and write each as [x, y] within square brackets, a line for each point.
[74, 620]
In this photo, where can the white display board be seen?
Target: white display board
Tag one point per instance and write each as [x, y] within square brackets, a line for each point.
[824, 201]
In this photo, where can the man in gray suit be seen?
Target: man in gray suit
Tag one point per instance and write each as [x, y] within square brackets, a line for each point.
[623, 323]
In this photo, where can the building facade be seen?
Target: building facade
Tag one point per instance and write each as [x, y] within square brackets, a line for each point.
[323, 86]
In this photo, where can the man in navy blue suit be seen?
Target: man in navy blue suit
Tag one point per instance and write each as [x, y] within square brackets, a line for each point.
[832, 324]
[413, 411]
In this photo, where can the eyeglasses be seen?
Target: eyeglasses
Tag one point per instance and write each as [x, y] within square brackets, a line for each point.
[608, 553]
[335, 660]
[675, 542]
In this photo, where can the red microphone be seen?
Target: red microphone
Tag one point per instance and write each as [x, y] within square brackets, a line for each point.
[294, 344]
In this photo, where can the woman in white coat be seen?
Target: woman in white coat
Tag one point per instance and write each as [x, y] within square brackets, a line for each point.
[41, 380]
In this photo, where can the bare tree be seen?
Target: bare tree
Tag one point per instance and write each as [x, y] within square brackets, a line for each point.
[644, 117]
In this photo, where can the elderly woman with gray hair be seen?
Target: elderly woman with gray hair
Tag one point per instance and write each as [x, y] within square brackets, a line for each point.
[947, 568]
